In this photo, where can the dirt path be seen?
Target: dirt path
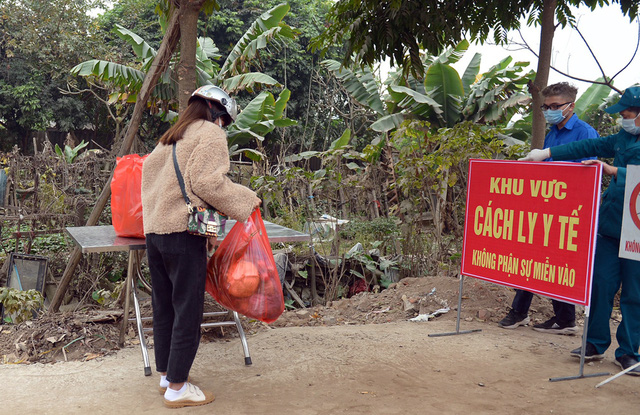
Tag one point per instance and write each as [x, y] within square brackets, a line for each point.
[392, 368]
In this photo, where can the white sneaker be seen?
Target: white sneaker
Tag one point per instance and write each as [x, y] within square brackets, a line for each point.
[163, 389]
[192, 396]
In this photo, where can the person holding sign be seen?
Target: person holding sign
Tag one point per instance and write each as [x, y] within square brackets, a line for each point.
[566, 127]
[610, 271]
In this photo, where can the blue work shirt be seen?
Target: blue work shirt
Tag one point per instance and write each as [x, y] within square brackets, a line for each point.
[574, 130]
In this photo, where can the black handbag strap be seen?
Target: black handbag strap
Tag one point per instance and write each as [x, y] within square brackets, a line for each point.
[180, 179]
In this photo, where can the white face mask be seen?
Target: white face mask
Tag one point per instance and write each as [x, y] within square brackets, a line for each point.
[629, 125]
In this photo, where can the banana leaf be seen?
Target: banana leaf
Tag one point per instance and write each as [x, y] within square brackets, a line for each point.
[413, 101]
[360, 84]
[388, 122]
[120, 75]
[444, 85]
[247, 81]
[593, 96]
[266, 28]
[453, 55]
[471, 73]
[140, 47]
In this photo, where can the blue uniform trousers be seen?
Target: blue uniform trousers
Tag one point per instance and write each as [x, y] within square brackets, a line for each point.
[610, 273]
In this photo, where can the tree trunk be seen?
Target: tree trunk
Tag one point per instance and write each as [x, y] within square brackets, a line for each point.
[547, 30]
[159, 65]
[189, 10]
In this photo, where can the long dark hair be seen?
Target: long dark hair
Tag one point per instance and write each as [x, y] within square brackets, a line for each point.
[198, 109]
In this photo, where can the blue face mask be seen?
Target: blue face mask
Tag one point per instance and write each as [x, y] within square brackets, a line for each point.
[629, 125]
[553, 116]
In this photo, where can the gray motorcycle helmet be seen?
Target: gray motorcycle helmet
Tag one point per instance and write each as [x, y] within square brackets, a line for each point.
[217, 94]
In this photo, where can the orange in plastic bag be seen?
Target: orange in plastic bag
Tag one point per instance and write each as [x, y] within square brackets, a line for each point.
[243, 279]
[242, 274]
[126, 196]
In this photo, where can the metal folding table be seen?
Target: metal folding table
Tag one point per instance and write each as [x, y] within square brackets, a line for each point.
[103, 239]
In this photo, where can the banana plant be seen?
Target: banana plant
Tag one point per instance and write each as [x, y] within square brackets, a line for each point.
[69, 154]
[443, 97]
[233, 75]
[261, 116]
[498, 93]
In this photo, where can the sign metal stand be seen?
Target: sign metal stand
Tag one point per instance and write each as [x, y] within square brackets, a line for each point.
[458, 317]
[581, 374]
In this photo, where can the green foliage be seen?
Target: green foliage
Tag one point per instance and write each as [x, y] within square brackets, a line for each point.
[432, 169]
[21, 305]
[26, 99]
[442, 98]
[372, 31]
[267, 26]
[261, 116]
[591, 99]
[69, 154]
[444, 85]
[361, 84]
[138, 16]
[499, 93]
[39, 41]
[376, 233]
[376, 266]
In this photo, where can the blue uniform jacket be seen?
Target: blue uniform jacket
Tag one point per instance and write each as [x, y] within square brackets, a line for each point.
[574, 130]
[625, 149]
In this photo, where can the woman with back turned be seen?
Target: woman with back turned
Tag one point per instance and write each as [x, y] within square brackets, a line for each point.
[177, 259]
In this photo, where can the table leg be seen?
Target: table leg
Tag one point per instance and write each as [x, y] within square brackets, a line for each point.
[243, 339]
[127, 299]
[143, 342]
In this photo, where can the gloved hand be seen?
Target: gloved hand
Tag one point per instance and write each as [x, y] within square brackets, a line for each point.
[536, 155]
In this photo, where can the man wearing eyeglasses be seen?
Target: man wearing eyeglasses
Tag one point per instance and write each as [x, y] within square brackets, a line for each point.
[566, 127]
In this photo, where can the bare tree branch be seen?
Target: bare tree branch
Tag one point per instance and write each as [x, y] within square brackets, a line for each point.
[590, 50]
[607, 82]
[68, 91]
[634, 53]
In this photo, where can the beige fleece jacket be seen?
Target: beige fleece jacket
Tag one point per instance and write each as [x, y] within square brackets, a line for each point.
[203, 158]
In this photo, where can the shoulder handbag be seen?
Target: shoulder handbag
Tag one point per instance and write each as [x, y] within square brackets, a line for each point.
[205, 222]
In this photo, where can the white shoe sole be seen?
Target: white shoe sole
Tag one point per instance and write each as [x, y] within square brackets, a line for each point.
[589, 358]
[632, 373]
[519, 323]
[208, 398]
[568, 331]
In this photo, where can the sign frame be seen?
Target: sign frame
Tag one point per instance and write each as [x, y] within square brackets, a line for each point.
[546, 244]
[630, 232]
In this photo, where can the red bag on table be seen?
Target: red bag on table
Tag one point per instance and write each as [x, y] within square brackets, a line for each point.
[126, 196]
[242, 274]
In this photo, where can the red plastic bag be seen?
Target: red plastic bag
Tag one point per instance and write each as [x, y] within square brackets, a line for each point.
[126, 196]
[242, 274]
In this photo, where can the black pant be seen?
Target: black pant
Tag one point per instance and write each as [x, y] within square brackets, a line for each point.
[565, 312]
[178, 266]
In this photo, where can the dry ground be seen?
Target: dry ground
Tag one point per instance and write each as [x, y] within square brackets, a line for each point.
[329, 360]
